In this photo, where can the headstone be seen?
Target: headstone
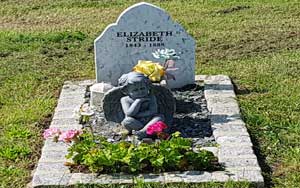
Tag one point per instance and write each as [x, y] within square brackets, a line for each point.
[140, 30]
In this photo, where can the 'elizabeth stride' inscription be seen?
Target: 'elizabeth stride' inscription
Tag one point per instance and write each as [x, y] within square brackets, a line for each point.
[145, 38]
[139, 31]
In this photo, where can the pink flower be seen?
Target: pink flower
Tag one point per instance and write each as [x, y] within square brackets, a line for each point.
[68, 136]
[156, 128]
[51, 132]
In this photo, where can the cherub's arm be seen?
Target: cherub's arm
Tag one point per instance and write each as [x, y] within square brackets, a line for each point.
[152, 108]
[131, 109]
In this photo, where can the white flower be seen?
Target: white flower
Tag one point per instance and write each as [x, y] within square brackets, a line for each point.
[166, 54]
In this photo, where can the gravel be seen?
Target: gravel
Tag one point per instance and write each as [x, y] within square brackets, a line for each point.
[191, 118]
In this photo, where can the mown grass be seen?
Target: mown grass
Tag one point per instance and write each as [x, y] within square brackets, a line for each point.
[257, 43]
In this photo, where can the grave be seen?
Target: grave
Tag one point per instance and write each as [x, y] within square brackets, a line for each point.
[140, 30]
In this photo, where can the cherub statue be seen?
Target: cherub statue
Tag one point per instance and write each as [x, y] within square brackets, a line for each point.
[137, 104]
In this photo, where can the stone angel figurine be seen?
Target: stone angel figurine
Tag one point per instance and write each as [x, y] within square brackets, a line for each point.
[136, 103]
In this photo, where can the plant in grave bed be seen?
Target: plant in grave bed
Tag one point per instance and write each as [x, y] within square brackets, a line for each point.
[97, 155]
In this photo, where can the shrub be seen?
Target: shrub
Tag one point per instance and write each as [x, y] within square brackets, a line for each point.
[98, 155]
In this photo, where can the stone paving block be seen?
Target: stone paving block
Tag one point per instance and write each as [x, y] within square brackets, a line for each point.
[220, 103]
[240, 162]
[234, 140]
[49, 144]
[65, 127]
[53, 156]
[127, 179]
[66, 114]
[173, 177]
[81, 178]
[52, 168]
[219, 133]
[152, 178]
[220, 108]
[72, 95]
[86, 82]
[219, 98]
[213, 90]
[73, 87]
[235, 151]
[107, 179]
[54, 146]
[201, 77]
[218, 79]
[226, 159]
[224, 118]
[247, 175]
[77, 97]
[196, 176]
[70, 103]
[219, 176]
[243, 169]
[229, 127]
[217, 86]
[44, 180]
[64, 122]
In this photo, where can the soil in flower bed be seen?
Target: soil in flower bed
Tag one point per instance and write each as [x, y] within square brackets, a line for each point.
[190, 119]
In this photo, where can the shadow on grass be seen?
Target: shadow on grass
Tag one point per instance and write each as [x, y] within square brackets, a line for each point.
[266, 169]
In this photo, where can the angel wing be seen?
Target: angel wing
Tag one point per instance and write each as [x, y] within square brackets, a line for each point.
[165, 102]
[112, 106]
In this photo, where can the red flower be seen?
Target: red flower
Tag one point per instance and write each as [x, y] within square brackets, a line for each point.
[156, 128]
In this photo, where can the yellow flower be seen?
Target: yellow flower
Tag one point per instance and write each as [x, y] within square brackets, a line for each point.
[153, 70]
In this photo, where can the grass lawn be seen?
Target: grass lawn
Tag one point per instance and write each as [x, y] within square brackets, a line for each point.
[257, 43]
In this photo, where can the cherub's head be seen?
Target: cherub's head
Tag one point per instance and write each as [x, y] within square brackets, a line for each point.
[135, 84]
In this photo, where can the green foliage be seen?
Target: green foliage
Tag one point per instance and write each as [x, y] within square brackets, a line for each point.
[14, 152]
[8, 174]
[175, 154]
[65, 36]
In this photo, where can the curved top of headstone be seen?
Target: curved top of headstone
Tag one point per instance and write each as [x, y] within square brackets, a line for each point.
[140, 30]
[142, 6]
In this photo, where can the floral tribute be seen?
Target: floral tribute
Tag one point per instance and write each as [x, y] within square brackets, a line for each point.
[157, 129]
[64, 136]
[51, 132]
[155, 71]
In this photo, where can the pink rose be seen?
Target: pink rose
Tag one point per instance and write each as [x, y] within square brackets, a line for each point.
[51, 132]
[156, 128]
[68, 136]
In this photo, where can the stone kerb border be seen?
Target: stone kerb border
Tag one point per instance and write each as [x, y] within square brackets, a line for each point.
[235, 148]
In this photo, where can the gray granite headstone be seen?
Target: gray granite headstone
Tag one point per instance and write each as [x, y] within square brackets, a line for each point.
[140, 30]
